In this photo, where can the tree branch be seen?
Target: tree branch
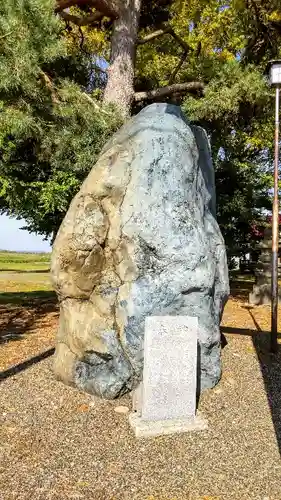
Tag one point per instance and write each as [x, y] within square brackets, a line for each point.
[176, 88]
[82, 21]
[161, 32]
[65, 4]
[180, 41]
[178, 67]
[94, 104]
[107, 7]
[151, 36]
[6, 34]
[48, 83]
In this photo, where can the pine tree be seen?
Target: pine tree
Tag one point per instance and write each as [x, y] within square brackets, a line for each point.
[51, 129]
[72, 70]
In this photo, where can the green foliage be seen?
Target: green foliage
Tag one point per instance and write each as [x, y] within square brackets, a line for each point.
[29, 38]
[237, 112]
[229, 48]
[51, 131]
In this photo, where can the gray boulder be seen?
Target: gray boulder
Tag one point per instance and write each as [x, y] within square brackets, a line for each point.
[140, 238]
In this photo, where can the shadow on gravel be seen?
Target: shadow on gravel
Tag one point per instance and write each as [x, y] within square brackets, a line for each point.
[25, 364]
[270, 366]
[20, 315]
[27, 298]
[20, 271]
[17, 321]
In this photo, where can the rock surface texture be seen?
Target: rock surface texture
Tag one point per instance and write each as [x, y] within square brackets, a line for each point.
[139, 239]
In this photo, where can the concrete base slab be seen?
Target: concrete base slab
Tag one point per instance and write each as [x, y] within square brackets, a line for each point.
[151, 428]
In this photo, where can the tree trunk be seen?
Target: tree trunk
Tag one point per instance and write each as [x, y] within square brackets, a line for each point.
[120, 85]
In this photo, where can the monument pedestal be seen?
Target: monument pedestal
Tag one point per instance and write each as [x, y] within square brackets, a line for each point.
[153, 428]
[165, 402]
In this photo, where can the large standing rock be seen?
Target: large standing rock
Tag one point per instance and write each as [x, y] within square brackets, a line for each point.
[139, 239]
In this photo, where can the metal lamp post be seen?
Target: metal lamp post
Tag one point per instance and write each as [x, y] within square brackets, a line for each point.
[275, 79]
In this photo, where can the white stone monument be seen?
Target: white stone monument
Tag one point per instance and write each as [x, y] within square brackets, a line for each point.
[165, 402]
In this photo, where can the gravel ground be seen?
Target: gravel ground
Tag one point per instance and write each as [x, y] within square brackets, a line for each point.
[57, 443]
[26, 331]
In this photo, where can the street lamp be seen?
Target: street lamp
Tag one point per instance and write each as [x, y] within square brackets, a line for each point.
[275, 79]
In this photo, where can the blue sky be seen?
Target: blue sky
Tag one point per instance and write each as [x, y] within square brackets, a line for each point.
[14, 238]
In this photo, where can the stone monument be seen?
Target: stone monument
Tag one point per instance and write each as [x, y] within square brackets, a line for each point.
[165, 401]
[140, 239]
[261, 293]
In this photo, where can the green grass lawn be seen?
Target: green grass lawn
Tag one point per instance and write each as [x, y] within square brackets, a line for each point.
[24, 277]
[24, 262]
